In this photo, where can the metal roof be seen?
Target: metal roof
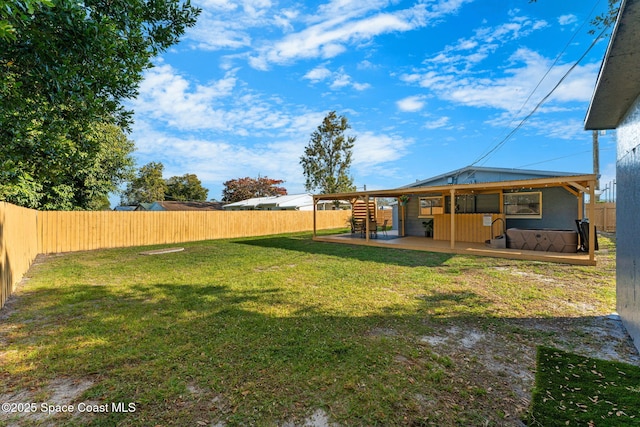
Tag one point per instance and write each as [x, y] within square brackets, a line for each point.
[171, 205]
[285, 201]
[578, 182]
[618, 84]
[506, 171]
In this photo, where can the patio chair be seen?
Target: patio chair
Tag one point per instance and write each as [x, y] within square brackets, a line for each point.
[383, 227]
[373, 229]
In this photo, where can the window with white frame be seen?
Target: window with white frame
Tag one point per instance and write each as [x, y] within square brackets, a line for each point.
[523, 204]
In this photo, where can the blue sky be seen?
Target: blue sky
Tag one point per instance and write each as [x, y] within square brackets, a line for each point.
[428, 86]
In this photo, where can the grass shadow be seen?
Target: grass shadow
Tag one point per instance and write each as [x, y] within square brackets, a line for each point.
[304, 243]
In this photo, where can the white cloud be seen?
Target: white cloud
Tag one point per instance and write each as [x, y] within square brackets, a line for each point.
[346, 8]
[220, 35]
[284, 19]
[171, 101]
[468, 52]
[346, 23]
[366, 65]
[411, 104]
[339, 79]
[509, 91]
[373, 150]
[227, 24]
[579, 84]
[167, 96]
[220, 5]
[318, 74]
[442, 122]
[361, 86]
[567, 19]
[569, 130]
[251, 28]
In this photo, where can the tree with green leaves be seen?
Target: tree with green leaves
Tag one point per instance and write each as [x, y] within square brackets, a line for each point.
[185, 188]
[327, 157]
[66, 68]
[606, 19]
[239, 189]
[15, 12]
[147, 187]
[98, 173]
[68, 172]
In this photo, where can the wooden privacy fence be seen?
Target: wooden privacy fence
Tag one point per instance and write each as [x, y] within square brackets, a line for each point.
[605, 217]
[18, 245]
[79, 231]
[384, 214]
[24, 233]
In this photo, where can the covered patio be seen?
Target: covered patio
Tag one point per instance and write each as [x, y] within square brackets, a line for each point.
[467, 233]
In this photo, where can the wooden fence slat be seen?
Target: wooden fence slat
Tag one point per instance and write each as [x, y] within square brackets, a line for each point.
[605, 217]
[74, 230]
[18, 245]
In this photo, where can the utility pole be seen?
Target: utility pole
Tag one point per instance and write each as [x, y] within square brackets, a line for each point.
[596, 163]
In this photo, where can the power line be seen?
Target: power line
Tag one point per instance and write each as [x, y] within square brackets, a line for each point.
[575, 33]
[535, 109]
[560, 158]
[542, 101]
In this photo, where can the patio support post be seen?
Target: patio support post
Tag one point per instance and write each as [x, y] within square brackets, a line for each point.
[591, 213]
[401, 220]
[315, 208]
[581, 205]
[366, 221]
[453, 218]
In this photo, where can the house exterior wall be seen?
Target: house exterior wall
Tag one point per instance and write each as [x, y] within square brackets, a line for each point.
[394, 217]
[559, 211]
[628, 204]
[413, 224]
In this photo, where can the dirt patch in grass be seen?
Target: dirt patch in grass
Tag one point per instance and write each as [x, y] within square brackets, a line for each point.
[504, 362]
[162, 251]
[45, 404]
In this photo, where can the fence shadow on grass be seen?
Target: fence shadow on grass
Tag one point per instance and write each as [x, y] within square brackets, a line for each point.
[304, 243]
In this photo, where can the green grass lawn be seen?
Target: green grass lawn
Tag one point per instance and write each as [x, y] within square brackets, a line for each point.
[266, 331]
